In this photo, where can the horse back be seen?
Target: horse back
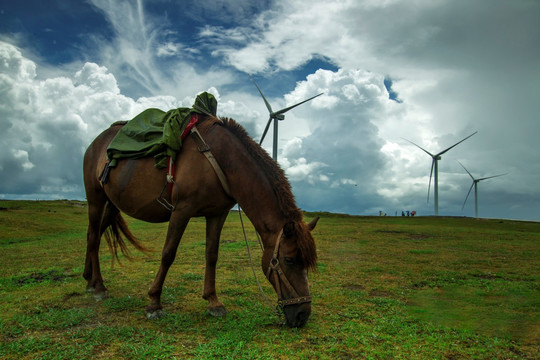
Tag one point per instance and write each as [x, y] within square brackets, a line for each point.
[134, 185]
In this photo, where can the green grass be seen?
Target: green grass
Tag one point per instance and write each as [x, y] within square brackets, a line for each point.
[387, 288]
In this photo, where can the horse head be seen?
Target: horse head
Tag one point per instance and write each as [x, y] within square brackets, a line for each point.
[286, 267]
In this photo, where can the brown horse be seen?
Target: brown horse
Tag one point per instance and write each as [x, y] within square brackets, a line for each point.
[256, 183]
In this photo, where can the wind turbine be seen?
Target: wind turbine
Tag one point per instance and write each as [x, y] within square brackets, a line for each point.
[475, 184]
[435, 165]
[276, 115]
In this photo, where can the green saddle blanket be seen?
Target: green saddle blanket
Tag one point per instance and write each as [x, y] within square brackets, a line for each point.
[157, 133]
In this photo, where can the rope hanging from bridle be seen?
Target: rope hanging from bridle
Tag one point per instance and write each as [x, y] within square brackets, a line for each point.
[274, 268]
[275, 309]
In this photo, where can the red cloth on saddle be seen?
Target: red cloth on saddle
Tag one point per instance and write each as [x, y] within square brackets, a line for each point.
[190, 125]
[170, 163]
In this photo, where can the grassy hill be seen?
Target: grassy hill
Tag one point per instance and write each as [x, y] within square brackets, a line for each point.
[387, 287]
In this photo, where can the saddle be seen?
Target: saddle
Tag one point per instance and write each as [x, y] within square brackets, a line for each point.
[159, 134]
[104, 175]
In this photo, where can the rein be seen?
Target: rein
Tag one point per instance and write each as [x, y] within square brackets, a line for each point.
[274, 268]
[265, 297]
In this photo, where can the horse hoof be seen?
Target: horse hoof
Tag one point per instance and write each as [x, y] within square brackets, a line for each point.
[218, 311]
[100, 296]
[156, 314]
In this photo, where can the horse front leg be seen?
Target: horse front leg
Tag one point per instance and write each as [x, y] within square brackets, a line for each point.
[214, 225]
[177, 225]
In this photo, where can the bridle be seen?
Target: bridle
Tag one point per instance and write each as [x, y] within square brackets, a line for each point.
[274, 268]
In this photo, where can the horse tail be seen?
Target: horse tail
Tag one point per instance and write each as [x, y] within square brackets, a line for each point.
[113, 234]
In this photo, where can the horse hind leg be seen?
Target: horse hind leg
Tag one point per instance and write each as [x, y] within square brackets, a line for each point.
[214, 225]
[100, 216]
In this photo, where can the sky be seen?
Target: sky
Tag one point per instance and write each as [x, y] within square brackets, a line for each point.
[429, 71]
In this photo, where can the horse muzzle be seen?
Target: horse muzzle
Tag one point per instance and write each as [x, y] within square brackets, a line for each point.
[297, 315]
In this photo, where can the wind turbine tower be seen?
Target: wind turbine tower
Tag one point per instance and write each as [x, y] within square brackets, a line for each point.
[275, 116]
[435, 166]
[475, 185]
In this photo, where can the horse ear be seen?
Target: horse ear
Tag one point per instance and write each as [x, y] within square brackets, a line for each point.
[313, 223]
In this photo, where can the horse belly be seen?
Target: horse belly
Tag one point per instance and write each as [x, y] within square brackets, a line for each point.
[134, 187]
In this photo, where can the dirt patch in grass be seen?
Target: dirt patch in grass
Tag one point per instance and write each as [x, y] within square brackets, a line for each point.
[354, 287]
[71, 295]
[405, 234]
[379, 293]
[53, 275]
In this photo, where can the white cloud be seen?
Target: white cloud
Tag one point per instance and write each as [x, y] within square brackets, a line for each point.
[300, 170]
[339, 156]
[13, 64]
[97, 78]
[168, 49]
[343, 151]
[22, 157]
[48, 123]
[147, 57]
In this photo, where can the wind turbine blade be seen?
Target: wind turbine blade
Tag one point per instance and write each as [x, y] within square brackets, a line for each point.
[472, 177]
[282, 111]
[421, 148]
[430, 174]
[266, 129]
[456, 144]
[463, 207]
[260, 92]
[489, 177]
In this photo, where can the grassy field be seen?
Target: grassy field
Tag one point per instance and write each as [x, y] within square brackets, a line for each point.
[387, 288]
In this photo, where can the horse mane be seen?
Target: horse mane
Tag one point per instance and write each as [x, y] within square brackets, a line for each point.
[282, 189]
[271, 170]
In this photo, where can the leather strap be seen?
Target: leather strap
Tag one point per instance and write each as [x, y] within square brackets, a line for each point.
[205, 149]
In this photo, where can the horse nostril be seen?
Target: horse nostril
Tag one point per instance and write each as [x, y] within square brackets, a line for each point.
[301, 319]
[297, 315]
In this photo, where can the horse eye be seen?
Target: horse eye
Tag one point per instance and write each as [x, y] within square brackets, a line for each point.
[289, 261]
